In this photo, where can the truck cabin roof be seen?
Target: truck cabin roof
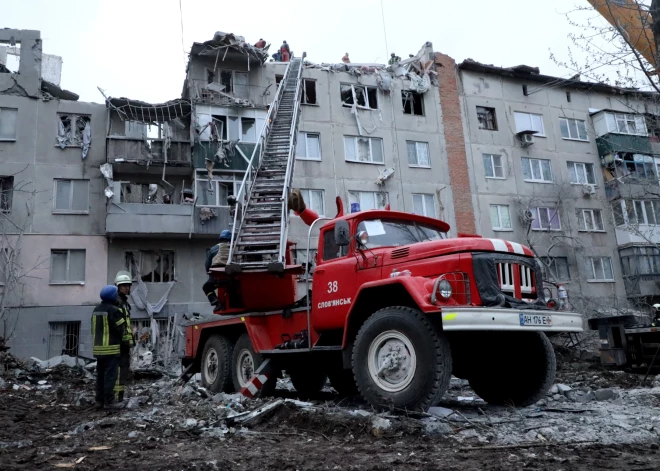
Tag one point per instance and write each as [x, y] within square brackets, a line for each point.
[385, 214]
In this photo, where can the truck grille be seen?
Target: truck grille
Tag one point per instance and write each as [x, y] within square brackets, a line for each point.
[516, 280]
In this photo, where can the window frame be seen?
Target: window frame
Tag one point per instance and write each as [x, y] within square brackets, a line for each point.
[531, 170]
[231, 184]
[537, 217]
[548, 263]
[10, 139]
[494, 118]
[307, 197]
[314, 159]
[74, 117]
[537, 134]
[156, 252]
[70, 210]
[374, 193]
[303, 95]
[582, 221]
[371, 154]
[9, 197]
[354, 94]
[493, 166]
[412, 94]
[499, 207]
[68, 266]
[585, 167]
[568, 127]
[616, 118]
[592, 275]
[424, 208]
[428, 153]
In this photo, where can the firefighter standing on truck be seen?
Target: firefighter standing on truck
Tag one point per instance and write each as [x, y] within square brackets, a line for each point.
[216, 256]
[108, 329]
[123, 282]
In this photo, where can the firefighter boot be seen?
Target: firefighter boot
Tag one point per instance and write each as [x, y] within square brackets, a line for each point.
[215, 302]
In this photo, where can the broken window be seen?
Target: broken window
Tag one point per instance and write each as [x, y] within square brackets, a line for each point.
[140, 193]
[72, 129]
[216, 195]
[219, 128]
[153, 266]
[248, 130]
[363, 149]
[67, 266]
[309, 92]
[413, 103]
[365, 97]
[8, 123]
[240, 85]
[278, 79]
[71, 196]
[637, 166]
[63, 338]
[486, 117]
[225, 77]
[6, 193]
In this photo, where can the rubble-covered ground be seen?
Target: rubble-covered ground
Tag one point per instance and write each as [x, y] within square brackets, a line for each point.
[593, 418]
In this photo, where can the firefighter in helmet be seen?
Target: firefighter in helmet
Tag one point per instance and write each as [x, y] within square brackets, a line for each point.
[123, 282]
[216, 256]
[108, 329]
[656, 315]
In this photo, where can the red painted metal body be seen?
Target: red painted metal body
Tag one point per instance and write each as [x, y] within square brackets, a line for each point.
[340, 281]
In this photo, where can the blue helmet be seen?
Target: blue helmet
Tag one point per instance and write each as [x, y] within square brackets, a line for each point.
[225, 235]
[109, 294]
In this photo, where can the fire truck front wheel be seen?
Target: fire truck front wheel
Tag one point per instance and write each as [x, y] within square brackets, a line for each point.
[513, 368]
[216, 364]
[245, 362]
[400, 359]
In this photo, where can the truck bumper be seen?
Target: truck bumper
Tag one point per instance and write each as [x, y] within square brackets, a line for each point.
[457, 319]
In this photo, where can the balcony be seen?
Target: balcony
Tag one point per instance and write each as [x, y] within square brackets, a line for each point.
[152, 220]
[623, 143]
[148, 150]
[206, 150]
[243, 95]
[206, 226]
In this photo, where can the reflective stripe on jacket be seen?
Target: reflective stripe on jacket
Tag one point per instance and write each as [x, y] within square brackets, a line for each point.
[108, 328]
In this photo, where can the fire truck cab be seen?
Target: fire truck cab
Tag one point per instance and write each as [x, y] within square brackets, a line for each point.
[394, 308]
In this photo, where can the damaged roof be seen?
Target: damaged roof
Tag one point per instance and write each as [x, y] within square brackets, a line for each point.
[533, 74]
[228, 45]
[135, 110]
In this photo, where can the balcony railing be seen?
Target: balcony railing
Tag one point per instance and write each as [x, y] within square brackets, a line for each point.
[611, 143]
[206, 150]
[128, 149]
[149, 219]
[243, 95]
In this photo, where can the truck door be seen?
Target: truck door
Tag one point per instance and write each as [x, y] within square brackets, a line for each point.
[334, 283]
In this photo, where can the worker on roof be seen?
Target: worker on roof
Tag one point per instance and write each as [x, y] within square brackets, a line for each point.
[216, 256]
[108, 329]
[394, 59]
[285, 51]
[656, 315]
[123, 282]
[345, 59]
[260, 44]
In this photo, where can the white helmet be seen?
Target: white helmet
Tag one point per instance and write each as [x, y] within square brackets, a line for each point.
[123, 278]
[656, 306]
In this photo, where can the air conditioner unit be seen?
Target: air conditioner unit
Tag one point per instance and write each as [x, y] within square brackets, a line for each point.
[588, 189]
[526, 138]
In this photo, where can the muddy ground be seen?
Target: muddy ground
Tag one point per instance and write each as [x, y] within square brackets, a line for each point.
[52, 425]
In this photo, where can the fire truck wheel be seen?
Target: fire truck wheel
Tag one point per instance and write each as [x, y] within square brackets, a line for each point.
[515, 368]
[343, 381]
[216, 364]
[245, 362]
[307, 381]
[401, 360]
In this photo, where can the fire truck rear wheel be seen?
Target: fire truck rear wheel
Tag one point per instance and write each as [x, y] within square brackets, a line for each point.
[400, 359]
[216, 364]
[514, 368]
[245, 362]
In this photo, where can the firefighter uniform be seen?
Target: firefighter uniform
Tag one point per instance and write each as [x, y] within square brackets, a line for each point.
[108, 329]
[124, 278]
[216, 256]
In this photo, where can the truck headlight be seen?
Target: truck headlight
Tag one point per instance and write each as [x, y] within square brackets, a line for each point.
[444, 289]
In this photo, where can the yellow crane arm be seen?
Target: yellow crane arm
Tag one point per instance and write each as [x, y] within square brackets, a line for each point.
[633, 20]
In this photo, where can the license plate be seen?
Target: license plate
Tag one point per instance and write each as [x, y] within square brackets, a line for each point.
[535, 320]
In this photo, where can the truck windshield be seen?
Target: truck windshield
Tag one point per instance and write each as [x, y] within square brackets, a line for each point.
[392, 233]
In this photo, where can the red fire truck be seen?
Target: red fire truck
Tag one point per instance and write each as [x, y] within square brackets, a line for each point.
[393, 309]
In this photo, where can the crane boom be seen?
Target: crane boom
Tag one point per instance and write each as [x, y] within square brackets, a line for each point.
[632, 19]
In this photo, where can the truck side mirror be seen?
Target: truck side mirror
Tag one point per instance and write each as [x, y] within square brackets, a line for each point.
[342, 234]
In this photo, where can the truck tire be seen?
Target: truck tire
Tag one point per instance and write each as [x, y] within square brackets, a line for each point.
[343, 381]
[216, 364]
[514, 368]
[308, 382]
[245, 362]
[418, 356]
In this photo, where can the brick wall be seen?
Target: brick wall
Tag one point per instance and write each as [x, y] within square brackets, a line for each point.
[456, 156]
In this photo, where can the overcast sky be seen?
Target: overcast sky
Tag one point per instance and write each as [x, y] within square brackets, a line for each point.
[135, 49]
